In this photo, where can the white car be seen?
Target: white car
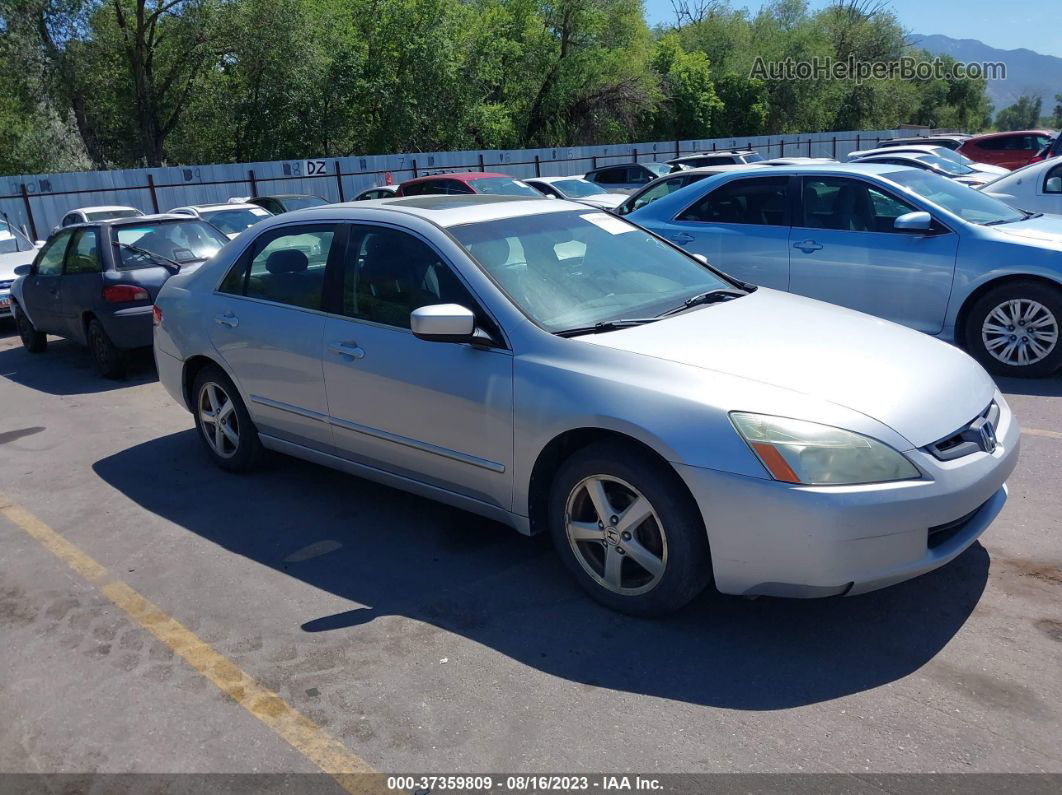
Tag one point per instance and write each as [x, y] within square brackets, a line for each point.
[1036, 188]
[930, 149]
[102, 212]
[15, 249]
[230, 218]
[376, 192]
[576, 189]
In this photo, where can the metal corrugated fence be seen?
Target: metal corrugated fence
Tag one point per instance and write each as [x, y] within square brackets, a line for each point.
[38, 202]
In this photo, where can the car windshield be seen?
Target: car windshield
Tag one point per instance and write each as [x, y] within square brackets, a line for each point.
[103, 215]
[969, 204]
[234, 220]
[947, 166]
[573, 269]
[755, 157]
[179, 241]
[577, 188]
[302, 202]
[12, 240]
[504, 186]
[660, 169]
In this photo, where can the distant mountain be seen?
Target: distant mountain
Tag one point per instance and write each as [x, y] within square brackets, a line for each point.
[1028, 72]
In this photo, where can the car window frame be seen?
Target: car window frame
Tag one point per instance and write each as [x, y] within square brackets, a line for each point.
[332, 301]
[1048, 175]
[71, 247]
[787, 221]
[258, 244]
[937, 227]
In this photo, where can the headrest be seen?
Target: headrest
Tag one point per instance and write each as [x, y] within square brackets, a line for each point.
[289, 260]
[492, 253]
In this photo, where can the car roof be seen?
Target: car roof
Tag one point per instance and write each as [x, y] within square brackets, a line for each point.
[460, 176]
[288, 196]
[102, 208]
[551, 180]
[916, 138]
[218, 206]
[448, 210]
[987, 136]
[139, 219]
[720, 152]
[926, 149]
[615, 165]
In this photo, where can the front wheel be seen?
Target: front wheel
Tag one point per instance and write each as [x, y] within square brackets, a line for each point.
[1013, 330]
[224, 425]
[628, 531]
[32, 340]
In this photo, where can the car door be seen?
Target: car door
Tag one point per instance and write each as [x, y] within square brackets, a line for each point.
[41, 289]
[742, 227]
[82, 280]
[846, 250]
[268, 325]
[438, 413]
[1049, 191]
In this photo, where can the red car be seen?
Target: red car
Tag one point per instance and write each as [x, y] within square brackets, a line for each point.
[1007, 149]
[466, 182]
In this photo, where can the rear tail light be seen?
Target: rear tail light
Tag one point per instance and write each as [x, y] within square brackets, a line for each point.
[123, 293]
[156, 315]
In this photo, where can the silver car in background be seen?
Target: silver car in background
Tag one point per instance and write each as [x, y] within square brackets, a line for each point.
[558, 369]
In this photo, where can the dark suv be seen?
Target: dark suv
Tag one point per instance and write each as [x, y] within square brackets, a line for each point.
[96, 283]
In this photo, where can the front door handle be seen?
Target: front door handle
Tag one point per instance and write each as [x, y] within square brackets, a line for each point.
[682, 238]
[807, 246]
[227, 319]
[347, 349]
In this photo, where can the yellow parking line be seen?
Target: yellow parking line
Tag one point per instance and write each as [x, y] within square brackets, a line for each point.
[1038, 432]
[300, 732]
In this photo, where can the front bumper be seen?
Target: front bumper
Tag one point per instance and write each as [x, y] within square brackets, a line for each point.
[5, 303]
[776, 539]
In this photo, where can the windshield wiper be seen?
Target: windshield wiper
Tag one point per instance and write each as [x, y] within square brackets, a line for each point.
[150, 254]
[607, 325]
[711, 297]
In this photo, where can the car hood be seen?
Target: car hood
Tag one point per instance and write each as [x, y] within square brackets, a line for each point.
[8, 263]
[988, 168]
[922, 388]
[1045, 230]
[605, 201]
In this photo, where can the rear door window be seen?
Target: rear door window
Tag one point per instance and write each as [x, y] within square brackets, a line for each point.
[285, 265]
[762, 201]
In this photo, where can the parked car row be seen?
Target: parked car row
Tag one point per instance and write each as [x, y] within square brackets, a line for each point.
[653, 386]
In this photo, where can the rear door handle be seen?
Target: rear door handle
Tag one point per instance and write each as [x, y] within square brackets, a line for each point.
[227, 319]
[347, 349]
[807, 246]
[682, 238]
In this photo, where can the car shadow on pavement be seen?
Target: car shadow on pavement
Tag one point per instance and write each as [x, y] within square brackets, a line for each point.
[395, 554]
[66, 368]
[1037, 387]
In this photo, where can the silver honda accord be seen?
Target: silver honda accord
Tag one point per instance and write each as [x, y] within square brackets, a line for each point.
[561, 370]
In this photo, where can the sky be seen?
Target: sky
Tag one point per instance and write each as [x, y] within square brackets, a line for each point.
[1008, 26]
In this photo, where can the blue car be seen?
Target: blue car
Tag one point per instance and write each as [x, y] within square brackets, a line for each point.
[95, 283]
[904, 244]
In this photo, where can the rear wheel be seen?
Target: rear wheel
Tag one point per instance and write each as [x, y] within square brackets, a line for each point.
[627, 529]
[1013, 330]
[224, 425]
[110, 361]
[32, 340]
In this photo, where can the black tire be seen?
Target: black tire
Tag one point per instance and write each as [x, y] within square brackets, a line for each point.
[686, 562]
[1031, 293]
[110, 361]
[248, 452]
[32, 340]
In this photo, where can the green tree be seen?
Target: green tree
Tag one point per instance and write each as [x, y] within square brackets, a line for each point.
[1022, 115]
[689, 101]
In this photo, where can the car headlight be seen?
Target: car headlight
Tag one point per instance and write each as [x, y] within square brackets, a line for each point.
[795, 451]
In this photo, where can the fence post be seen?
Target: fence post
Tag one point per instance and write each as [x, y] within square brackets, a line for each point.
[414, 168]
[154, 197]
[781, 147]
[254, 184]
[809, 147]
[858, 147]
[593, 161]
[339, 182]
[634, 153]
[29, 212]
[678, 148]
[538, 167]
[835, 147]
[482, 165]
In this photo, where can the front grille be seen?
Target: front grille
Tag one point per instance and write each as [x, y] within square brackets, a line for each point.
[942, 533]
[967, 439]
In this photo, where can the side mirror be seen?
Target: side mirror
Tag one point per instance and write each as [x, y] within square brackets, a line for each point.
[914, 222]
[39, 243]
[23, 270]
[443, 323]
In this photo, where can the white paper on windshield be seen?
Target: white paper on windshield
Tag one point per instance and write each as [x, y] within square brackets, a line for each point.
[259, 211]
[609, 223]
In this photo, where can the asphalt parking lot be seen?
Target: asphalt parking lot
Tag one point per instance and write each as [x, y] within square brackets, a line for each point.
[425, 639]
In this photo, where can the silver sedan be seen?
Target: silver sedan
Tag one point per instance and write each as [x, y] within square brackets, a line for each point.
[558, 369]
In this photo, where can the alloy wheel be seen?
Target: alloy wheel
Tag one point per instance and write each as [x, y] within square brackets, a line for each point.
[616, 535]
[1020, 332]
[218, 420]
